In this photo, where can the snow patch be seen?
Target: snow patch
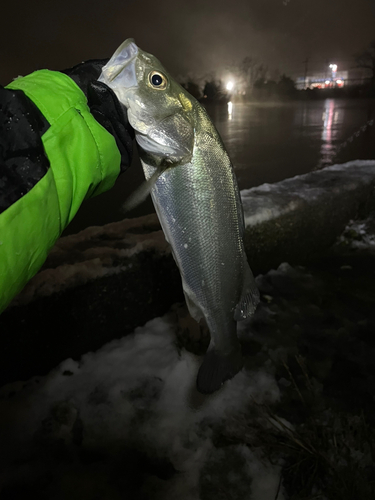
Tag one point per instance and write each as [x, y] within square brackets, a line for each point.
[139, 392]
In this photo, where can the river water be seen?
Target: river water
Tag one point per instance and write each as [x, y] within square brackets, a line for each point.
[267, 142]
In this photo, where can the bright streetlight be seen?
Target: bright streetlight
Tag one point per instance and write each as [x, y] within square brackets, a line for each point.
[333, 67]
[230, 85]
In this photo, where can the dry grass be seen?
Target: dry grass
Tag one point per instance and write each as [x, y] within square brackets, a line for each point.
[331, 455]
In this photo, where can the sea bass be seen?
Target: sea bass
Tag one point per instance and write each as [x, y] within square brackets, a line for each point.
[196, 198]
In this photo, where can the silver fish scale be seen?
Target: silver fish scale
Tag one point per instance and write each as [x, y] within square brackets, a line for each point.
[196, 204]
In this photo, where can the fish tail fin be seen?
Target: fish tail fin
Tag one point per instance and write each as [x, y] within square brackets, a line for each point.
[217, 367]
[249, 297]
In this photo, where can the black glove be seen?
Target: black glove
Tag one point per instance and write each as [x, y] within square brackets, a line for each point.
[104, 106]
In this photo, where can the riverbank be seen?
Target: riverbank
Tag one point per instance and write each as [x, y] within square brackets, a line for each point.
[102, 283]
[297, 422]
[100, 357]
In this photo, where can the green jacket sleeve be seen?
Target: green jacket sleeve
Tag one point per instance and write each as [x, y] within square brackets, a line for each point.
[84, 161]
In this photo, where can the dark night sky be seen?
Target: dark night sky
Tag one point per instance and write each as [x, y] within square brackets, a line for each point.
[187, 36]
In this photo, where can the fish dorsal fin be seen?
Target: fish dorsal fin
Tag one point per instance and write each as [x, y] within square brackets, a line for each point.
[250, 293]
[237, 195]
[249, 296]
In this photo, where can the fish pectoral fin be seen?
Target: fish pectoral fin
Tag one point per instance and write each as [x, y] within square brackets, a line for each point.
[217, 367]
[249, 297]
[141, 193]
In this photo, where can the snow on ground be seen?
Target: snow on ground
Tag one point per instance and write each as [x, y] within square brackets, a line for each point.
[359, 235]
[127, 422]
[74, 429]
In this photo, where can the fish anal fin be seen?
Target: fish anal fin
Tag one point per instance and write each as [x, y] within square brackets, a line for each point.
[194, 310]
[217, 367]
[249, 296]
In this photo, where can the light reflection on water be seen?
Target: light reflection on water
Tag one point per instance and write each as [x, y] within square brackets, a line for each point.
[230, 110]
[268, 142]
[330, 118]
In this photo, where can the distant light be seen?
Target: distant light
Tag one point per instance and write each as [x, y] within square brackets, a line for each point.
[339, 82]
[333, 67]
[230, 85]
[327, 82]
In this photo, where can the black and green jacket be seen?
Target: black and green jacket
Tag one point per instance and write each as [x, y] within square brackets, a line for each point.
[43, 185]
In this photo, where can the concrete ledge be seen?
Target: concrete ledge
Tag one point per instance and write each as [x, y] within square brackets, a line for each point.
[103, 282]
[297, 219]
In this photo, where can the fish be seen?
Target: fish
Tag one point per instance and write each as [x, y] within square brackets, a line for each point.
[196, 197]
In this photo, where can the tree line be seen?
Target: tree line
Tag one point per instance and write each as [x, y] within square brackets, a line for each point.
[254, 80]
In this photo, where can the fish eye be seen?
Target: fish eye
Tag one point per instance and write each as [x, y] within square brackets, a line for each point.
[157, 80]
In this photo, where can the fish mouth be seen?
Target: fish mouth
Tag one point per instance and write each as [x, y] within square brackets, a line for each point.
[119, 72]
